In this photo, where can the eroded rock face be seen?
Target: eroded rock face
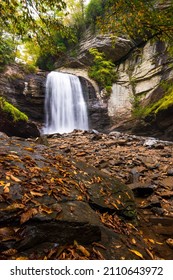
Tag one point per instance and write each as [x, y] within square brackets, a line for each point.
[114, 48]
[24, 91]
[17, 128]
[140, 77]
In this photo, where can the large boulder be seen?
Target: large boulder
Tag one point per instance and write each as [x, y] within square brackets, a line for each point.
[20, 128]
[115, 48]
[24, 90]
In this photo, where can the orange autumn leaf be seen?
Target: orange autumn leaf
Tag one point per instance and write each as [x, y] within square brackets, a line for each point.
[6, 231]
[9, 252]
[29, 149]
[28, 215]
[15, 205]
[22, 258]
[114, 205]
[36, 193]
[136, 253]
[83, 250]
[44, 208]
[80, 198]
[17, 180]
[6, 188]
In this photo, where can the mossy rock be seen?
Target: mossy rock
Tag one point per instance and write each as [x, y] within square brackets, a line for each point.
[15, 123]
[12, 111]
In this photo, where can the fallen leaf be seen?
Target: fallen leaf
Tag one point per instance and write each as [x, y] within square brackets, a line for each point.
[99, 255]
[6, 231]
[28, 215]
[118, 246]
[82, 249]
[114, 205]
[51, 253]
[160, 243]
[9, 252]
[36, 193]
[29, 149]
[151, 241]
[99, 245]
[136, 253]
[6, 188]
[80, 198]
[44, 208]
[21, 258]
[2, 183]
[17, 180]
[133, 241]
[15, 206]
[149, 253]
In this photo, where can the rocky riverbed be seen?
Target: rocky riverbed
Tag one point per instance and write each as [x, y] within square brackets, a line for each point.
[86, 195]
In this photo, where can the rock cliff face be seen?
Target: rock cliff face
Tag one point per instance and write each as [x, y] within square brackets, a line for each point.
[141, 77]
[25, 91]
[114, 48]
[141, 72]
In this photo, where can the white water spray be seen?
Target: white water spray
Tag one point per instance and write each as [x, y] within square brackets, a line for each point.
[65, 107]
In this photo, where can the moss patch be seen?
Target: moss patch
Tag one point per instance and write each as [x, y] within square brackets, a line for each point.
[12, 111]
[162, 104]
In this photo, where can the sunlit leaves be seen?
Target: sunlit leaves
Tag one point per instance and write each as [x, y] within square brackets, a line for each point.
[102, 69]
[139, 19]
[31, 19]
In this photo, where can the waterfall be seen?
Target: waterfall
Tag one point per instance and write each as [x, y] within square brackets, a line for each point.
[65, 107]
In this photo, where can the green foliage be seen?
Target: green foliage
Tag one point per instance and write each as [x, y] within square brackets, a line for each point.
[102, 70]
[46, 62]
[6, 51]
[137, 109]
[37, 21]
[93, 11]
[12, 111]
[140, 19]
[162, 104]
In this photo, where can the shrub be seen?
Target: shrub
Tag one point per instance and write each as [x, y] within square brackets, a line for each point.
[6, 51]
[102, 70]
[93, 11]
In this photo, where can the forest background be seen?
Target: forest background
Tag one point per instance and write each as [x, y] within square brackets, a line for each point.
[36, 33]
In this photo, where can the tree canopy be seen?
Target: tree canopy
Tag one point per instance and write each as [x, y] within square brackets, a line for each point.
[55, 26]
[139, 18]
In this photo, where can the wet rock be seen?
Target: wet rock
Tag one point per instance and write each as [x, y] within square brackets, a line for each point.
[142, 190]
[150, 142]
[75, 220]
[18, 128]
[170, 172]
[25, 91]
[167, 182]
[64, 188]
[150, 163]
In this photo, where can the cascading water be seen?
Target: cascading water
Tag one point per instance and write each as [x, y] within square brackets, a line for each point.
[65, 107]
